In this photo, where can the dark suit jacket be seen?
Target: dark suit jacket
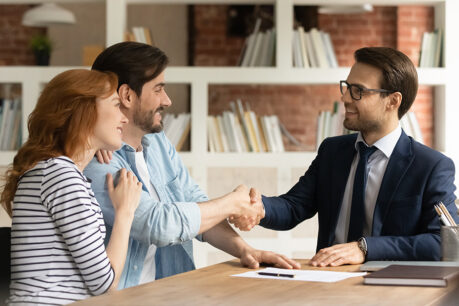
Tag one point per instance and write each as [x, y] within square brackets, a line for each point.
[405, 224]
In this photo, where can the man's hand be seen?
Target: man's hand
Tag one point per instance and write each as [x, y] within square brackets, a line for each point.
[248, 213]
[339, 254]
[252, 258]
[104, 156]
[245, 223]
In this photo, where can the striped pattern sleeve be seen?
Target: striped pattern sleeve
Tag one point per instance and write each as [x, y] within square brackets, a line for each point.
[70, 202]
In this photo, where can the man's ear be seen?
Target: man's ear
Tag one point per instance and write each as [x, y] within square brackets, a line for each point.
[126, 95]
[395, 99]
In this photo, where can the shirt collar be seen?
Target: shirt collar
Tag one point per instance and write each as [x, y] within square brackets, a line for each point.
[145, 143]
[385, 144]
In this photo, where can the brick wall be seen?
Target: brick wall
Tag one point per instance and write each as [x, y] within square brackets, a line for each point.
[350, 32]
[298, 106]
[412, 22]
[14, 37]
[212, 46]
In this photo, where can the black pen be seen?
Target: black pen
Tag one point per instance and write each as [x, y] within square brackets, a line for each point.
[276, 274]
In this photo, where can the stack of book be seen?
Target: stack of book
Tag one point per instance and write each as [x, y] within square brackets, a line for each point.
[177, 128]
[313, 49]
[431, 49]
[10, 123]
[259, 48]
[139, 34]
[242, 130]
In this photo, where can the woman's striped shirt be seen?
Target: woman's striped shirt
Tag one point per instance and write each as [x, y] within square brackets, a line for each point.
[57, 237]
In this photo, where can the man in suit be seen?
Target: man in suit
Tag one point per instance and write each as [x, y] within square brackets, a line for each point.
[374, 191]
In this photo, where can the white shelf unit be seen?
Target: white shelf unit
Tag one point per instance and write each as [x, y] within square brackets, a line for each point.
[199, 160]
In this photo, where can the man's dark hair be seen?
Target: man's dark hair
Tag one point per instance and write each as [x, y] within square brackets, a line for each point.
[134, 63]
[398, 73]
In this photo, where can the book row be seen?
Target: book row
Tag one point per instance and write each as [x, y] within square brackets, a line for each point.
[431, 49]
[310, 49]
[10, 123]
[242, 130]
[259, 48]
[313, 49]
[177, 128]
[139, 34]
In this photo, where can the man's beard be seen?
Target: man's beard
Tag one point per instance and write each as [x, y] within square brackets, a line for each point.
[362, 125]
[145, 120]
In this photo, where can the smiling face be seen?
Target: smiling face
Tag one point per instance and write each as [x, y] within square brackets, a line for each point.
[369, 114]
[148, 108]
[109, 125]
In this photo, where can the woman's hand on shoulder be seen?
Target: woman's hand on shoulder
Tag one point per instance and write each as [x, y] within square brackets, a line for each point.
[125, 196]
[104, 156]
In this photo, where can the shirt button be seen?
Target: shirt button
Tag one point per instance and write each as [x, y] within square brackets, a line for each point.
[135, 268]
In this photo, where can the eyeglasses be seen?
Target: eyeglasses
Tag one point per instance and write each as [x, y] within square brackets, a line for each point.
[356, 90]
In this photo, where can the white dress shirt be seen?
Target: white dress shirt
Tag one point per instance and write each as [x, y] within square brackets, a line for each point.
[376, 167]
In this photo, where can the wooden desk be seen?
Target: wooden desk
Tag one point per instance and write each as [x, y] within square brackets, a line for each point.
[213, 285]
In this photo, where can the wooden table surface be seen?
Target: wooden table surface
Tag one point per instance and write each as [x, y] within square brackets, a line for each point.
[214, 285]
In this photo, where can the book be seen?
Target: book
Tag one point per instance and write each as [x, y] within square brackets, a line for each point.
[250, 44]
[423, 56]
[329, 49]
[255, 58]
[147, 35]
[270, 60]
[311, 52]
[242, 140]
[378, 265]
[304, 53]
[239, 111]
[251, 132]
[266, 45]
[267, 134]
[256, 130]
[401, 275]
[184, 135]
[438, 48]
[177, 128]
[264, 141]
[222, 134]
[319, 47]
[297, 59]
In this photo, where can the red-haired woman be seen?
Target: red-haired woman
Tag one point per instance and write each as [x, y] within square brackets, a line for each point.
[57, 236]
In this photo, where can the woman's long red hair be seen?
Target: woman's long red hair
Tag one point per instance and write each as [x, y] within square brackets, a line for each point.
[61, 122]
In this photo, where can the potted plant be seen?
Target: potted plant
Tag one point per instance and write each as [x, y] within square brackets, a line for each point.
[41, 46]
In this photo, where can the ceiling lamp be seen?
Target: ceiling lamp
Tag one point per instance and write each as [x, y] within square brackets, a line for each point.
[47, 14]
[349, 9]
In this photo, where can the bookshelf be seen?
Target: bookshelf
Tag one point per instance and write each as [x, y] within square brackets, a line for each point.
[286, 166]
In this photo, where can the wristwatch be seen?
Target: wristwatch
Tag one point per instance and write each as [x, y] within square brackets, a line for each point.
[362, 243]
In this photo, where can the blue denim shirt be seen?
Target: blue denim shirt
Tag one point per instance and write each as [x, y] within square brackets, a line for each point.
[169, 224]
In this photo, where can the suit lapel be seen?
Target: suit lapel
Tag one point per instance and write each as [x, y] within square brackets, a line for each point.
[399, 162]
[340, 173]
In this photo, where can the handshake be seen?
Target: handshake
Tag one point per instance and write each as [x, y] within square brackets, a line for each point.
[248, 208]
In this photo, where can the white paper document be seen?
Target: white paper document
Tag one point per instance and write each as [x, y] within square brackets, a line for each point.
[301, 275]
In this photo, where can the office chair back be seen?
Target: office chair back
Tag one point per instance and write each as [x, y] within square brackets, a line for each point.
[5, 271]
